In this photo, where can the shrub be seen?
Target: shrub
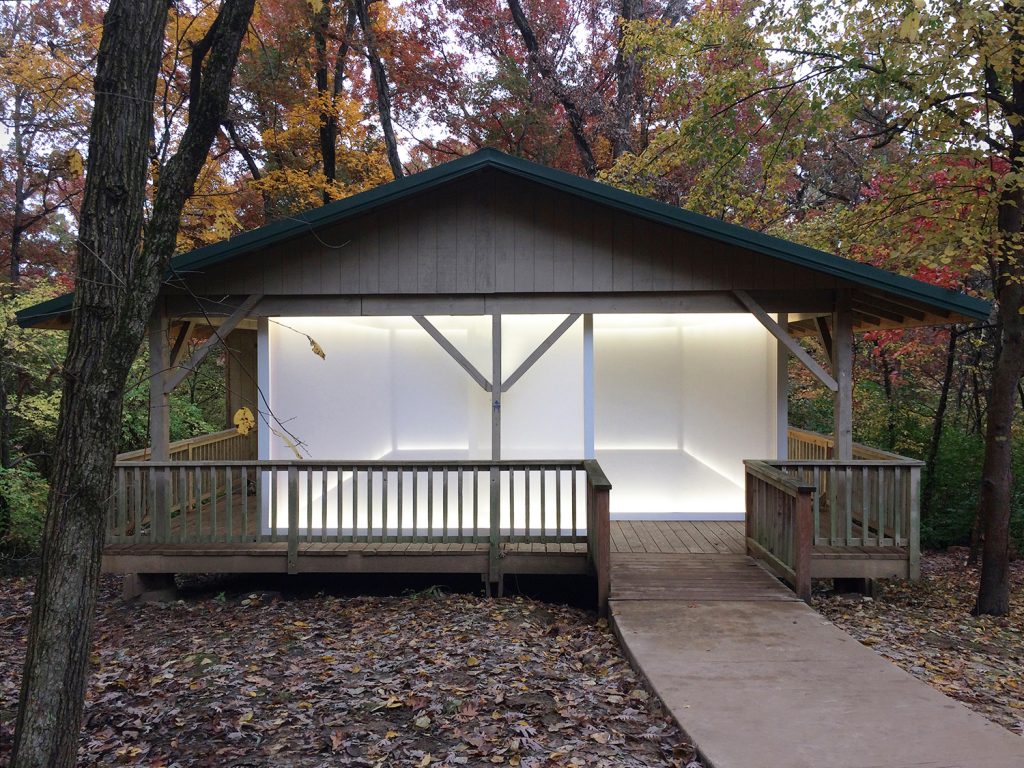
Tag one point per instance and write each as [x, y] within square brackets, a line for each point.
[23, 494]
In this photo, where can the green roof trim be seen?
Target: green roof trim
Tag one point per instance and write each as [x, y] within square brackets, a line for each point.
[715, 229]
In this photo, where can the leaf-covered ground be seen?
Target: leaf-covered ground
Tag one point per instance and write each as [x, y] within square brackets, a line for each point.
[927, 629]
[256, 679]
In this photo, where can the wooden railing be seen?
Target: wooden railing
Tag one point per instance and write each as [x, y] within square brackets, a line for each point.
[806, 445]
[869, 506]
[779, 523]
[862, 503]
[599, 532]
[234, 502]
[227, 445]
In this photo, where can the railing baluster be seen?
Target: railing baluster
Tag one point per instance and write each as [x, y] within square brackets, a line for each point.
[476, 503]
[370, 484]
[430, 504]
[229, 509]
[461, 532]
[323, 505]
[415, 501]
[385, 474]
[213, 504]
[512, 508]
[444, 505]
[309, 503]
[572, 477]
[244, 490]
[355, 502]
[543, 504]
[526, 503]
[273, 503]
[558, 501]
[848, 504]
[401, 511]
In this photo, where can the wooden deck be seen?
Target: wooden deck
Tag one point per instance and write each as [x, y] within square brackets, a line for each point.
[629, 539]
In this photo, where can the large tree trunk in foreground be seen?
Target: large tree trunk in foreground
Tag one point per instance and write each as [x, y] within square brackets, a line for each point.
[117, 282]
[997, 472]
[98, 359]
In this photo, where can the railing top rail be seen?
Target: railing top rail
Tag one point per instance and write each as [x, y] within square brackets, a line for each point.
[901, 462]
[372, 464]
[867, 452]
[773, 476]
[180, 445]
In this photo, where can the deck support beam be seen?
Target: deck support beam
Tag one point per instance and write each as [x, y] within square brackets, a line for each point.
[842, 370]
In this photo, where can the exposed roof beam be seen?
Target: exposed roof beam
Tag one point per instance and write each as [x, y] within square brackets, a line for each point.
[453, 351]
[787, 341]
[180, 346]
[536, 355]
[824, 335]
[896, 305]
[218, 336]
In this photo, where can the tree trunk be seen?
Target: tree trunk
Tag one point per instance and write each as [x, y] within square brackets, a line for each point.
[626, 69]
[573, 113]
[997, 472]
[328, 122]
[113, 301]
[100, 351]
[380, 82]
[928, 492]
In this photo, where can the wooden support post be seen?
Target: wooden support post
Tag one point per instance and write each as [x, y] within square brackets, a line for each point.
[588, 387]
[602, 552]
[782, 393]
[803, 542]
[842, 372]
[496, 390]
[599, 530]
[494, 539]
[914, 533]
[293, 520]
[159, 422]
[149, 587]
[159, 358]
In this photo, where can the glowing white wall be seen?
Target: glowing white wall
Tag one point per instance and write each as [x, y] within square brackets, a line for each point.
[680, 400]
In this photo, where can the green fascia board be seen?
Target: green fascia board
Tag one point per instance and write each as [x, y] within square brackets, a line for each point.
[603, 194]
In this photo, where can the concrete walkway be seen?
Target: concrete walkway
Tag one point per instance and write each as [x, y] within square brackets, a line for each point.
[759, 680]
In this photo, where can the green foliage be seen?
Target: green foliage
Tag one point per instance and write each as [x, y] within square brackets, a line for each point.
[197, 405]
[23, 494]
[30, 364]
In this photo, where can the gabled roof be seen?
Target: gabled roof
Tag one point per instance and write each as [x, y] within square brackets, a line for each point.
[714, 229]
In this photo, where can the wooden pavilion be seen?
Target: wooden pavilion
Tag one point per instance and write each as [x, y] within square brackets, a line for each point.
[460, 258]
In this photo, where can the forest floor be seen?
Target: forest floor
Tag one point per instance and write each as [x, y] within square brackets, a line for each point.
[927, 629]
[242, 678]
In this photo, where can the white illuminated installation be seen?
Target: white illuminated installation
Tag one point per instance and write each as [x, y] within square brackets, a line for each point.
[679, 401]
